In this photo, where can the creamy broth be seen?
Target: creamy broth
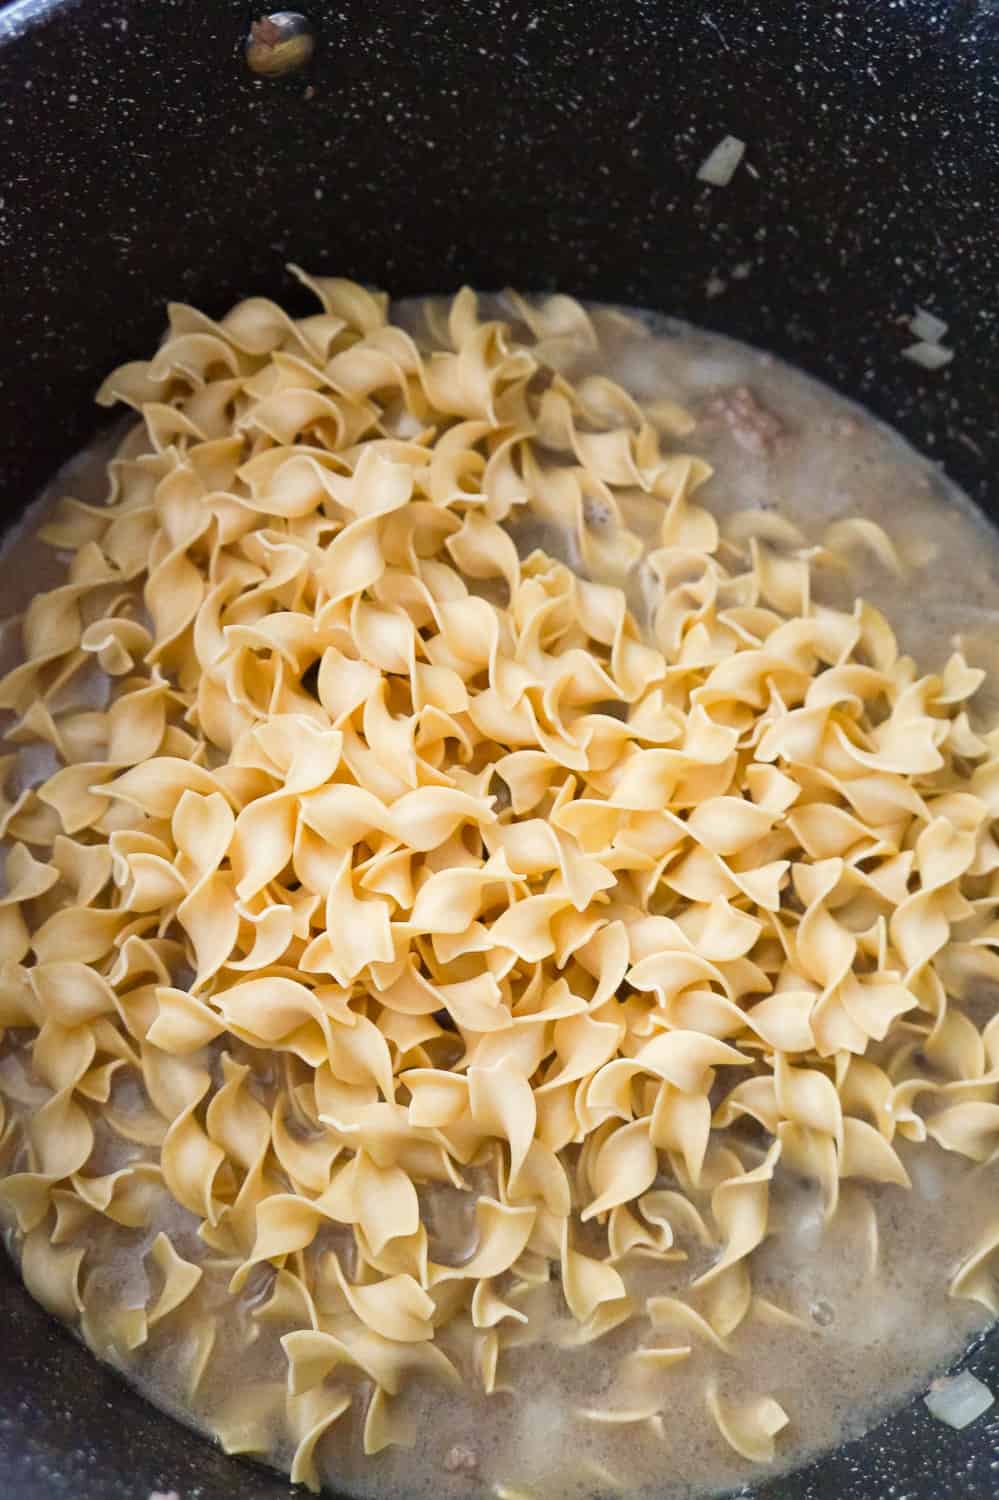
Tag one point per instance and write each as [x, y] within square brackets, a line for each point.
[852, 1313]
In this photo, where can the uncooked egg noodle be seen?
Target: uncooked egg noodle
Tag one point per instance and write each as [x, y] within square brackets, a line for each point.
[391, 852]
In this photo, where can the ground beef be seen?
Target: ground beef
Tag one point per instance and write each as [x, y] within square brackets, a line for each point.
[753, 426]
[461, 1460]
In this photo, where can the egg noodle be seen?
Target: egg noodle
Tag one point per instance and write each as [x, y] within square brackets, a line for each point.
[384, 850]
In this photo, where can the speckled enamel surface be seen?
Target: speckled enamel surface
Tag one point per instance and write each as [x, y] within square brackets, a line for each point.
[546, 144]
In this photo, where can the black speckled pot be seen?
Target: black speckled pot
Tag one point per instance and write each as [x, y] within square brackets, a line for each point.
[542, 144]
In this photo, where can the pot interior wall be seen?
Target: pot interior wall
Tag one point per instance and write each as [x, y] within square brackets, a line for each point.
[543, 145]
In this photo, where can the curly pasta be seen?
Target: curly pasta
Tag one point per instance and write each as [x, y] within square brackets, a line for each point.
[400, 858]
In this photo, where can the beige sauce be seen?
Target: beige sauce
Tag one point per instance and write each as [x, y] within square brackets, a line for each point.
[874, 1322]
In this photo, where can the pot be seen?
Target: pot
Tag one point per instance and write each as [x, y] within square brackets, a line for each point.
[550, 145]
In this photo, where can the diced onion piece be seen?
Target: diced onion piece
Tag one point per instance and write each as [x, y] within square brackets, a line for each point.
[927, 326]
[930, 356]
[958, 1400]
[719, 167]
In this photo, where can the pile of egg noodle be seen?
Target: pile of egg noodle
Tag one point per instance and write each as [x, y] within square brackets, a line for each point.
[495, 882]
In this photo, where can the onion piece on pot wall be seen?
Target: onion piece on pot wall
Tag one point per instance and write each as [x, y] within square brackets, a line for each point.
[958, 1400]
[718, 168]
